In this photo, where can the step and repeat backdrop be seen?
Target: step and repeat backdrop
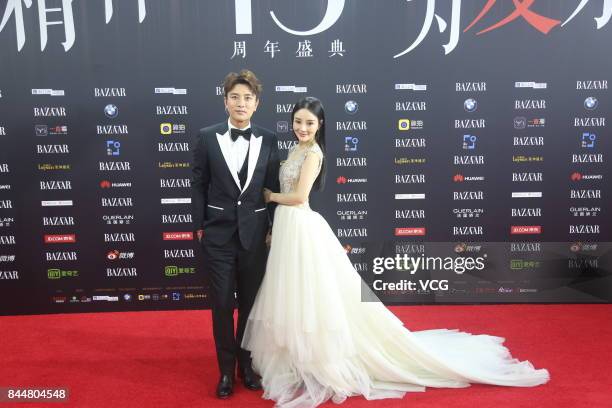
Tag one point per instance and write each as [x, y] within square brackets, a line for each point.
[473, 132]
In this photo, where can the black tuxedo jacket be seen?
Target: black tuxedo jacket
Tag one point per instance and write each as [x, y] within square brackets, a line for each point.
[219, 205]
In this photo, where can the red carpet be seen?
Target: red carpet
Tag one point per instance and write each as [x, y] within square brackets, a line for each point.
[166, 359]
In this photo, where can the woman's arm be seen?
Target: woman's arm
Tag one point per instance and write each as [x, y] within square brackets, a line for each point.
[308, 175]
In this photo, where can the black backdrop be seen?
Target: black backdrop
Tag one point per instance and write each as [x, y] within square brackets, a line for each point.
[525, 87]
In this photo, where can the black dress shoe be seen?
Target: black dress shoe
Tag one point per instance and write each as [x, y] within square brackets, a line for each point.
[225, 388]
[250, 379]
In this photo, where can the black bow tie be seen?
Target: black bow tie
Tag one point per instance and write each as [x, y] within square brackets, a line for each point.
[246, 133]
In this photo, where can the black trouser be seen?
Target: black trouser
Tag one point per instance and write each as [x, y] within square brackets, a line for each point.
[232, 268]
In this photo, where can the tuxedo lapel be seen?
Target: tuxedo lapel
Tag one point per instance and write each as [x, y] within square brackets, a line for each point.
[254, 150]
[225, 146]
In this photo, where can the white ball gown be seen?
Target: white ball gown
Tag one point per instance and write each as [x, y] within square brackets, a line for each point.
[312, 338]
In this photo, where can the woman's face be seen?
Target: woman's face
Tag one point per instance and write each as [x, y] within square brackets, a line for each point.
[305, 125]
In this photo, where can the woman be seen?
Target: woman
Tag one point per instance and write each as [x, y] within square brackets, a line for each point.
[310, 335]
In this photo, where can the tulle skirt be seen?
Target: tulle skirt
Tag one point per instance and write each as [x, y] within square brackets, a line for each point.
[312, 338]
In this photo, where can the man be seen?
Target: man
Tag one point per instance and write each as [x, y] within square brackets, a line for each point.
[233, 162]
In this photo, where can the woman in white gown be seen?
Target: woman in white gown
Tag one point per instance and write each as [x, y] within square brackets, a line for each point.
[310, 335]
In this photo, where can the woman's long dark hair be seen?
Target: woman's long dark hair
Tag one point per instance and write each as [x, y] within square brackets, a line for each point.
[314, 106]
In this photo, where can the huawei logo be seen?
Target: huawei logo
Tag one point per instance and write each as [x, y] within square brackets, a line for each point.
[576, 176]
[341, 180]
[105, 184]
[458, 178]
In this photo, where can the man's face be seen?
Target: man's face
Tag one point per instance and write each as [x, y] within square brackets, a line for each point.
[241, 103]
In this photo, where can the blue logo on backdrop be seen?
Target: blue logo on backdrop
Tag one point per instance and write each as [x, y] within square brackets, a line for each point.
[113, 148]
[469, 142]
[588, 140]
[350, 144]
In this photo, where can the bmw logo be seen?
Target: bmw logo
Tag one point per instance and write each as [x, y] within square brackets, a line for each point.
[351, 107]
[127, 297]
[111, 111]
[470, 105]
[590, 103]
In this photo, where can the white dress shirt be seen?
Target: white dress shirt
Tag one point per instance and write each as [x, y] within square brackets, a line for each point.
[239, 148]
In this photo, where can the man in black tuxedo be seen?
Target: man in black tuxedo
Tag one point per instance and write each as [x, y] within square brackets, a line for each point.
[233, 162]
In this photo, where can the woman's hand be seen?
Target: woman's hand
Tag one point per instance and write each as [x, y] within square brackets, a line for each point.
[269, 238]
[267, 195]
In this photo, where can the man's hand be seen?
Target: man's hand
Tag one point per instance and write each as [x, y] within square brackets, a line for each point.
[200, 234]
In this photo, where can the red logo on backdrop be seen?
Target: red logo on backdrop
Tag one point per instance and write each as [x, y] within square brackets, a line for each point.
[576, 176]
[525, 229]
[403, 232]
[178, 236]
[341, 180]
[540, 22]
[60, 239]
[105, 184]
[458, 178]
[112, 255]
